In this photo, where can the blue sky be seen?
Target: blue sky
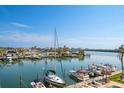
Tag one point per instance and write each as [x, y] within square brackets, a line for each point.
[77, 26]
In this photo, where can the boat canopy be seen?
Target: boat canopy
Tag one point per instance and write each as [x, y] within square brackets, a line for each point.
[50, 71]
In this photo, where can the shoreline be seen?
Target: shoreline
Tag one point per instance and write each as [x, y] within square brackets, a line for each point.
[40, 58]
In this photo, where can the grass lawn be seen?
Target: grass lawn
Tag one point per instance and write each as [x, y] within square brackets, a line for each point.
[116, 78]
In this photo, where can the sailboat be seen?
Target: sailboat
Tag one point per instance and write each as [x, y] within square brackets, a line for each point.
[51, 76]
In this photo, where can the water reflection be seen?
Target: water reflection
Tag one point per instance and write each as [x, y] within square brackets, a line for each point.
[20, 64]
[31, 69]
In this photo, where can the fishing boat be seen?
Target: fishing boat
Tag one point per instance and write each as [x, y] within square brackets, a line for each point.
[51, 76]
[37, 84]
[80, 75]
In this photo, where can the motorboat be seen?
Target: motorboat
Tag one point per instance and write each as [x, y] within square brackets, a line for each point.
[80, 75]
[53, 79]
[99, 69]
[37, 84]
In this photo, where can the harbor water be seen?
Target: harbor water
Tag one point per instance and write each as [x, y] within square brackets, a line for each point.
[29, 70]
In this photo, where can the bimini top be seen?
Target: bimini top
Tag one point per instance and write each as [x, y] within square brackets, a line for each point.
[50, 72]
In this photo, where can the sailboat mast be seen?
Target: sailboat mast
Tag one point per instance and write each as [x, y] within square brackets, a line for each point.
[55, 43]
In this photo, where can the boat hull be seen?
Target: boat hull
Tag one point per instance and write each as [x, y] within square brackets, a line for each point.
[77, 78]
[57, 84]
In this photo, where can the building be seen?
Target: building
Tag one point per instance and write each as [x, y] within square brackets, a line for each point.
[11, 53]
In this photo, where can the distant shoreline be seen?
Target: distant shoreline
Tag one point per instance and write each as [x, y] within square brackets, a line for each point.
[102, 50]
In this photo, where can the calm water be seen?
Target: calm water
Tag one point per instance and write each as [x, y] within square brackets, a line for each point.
[10, 73]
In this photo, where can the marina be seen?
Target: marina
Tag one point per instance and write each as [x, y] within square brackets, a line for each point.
[61, 46]
[31, 69]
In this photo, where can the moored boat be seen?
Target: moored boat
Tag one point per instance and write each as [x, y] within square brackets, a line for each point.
[53, 79]
[80, 75]
[37, 84]
[51, 76]
[101, 69]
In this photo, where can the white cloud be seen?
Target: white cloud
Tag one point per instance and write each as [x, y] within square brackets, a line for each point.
[47, 40]
[20, 25]
[25, 37]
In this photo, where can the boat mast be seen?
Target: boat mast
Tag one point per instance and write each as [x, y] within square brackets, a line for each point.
[54, 48]
[55, 44]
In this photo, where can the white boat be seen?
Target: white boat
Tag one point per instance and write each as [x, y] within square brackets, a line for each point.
[51, 76]
[37, 84]
[99, 69]
[80, 75]
[53, 79]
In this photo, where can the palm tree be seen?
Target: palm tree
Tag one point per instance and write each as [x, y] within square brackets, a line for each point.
[121, 51]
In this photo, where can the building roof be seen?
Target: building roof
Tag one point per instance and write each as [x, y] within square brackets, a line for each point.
[11, 52]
